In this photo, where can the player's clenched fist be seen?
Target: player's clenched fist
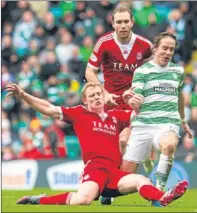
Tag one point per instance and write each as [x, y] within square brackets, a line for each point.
[14, 89]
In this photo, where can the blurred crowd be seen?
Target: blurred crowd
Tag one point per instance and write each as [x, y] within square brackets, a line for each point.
[45, 49]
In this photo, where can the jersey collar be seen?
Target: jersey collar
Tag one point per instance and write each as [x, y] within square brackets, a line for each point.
[157, 65]
[131, 42]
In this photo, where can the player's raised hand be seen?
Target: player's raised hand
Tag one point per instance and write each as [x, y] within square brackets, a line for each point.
[128, 94]
[187, 129]
[110, 99]
[136, 101]
[13, 89]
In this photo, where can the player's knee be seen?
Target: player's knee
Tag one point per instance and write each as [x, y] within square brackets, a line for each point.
[84, 200]
[124, 136]
[168, 148]
[142, 180]
[123, 141]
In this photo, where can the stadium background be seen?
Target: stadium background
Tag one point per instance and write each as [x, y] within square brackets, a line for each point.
[45, 48]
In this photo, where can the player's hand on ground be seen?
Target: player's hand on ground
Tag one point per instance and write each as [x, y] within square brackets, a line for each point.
[128, 94]
[136, 101]
[13, 89]
[110, 99]
[187, 129]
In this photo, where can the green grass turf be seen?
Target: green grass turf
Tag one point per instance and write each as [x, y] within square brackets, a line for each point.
[128, 203]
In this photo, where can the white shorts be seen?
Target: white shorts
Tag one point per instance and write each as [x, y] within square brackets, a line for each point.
[143, 139]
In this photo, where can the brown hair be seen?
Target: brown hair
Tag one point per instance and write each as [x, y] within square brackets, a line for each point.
[120, 9]
[89, 84]
[162, 35]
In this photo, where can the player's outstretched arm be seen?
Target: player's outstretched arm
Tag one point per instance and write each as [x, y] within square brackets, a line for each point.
[38, 104]
[91, 76]
[185, 126]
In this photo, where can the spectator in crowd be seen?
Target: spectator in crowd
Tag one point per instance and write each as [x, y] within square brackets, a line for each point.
[68, 22]
[6, 48]
[86, 48]
[141, 16]
[39, 35]
[79, 12]
[99, 31]
[54, 139]
[18, 10]
[153, 28]
[51, 67]
[64, 48]
[7, 29]
[6, 130]
[49, 24]
[91, 22]
[76, 64]
[22, 33]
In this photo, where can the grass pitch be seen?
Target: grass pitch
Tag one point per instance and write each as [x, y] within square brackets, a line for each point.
[128, 203]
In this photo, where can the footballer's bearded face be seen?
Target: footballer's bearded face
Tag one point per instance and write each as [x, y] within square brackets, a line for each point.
[164, 51]
[94, 99]
[122, 24]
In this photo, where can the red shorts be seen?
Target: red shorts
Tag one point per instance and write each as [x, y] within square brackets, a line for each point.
[105, 174]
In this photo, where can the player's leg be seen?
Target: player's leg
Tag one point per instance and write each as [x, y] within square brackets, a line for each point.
[138, 149]
[167, 145]
[148, 165]
[133, 182]
[123, 139]
[87, 192]
[93, 180]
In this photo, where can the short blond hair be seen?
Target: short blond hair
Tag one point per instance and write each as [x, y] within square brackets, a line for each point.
[87, 85]
[120, 9]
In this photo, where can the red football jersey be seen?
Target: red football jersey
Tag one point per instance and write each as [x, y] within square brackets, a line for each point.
[118, 62]
[98, 135]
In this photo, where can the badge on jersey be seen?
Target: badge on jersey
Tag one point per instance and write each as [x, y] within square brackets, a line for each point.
[114, 119]
[139, 56]
[93, 57]
[174, 75]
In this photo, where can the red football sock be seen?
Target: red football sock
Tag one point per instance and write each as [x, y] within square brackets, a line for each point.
[61, 199]
[150, 192]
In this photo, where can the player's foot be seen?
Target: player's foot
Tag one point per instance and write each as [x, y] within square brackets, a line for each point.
[174, 193]
[156, 203]
[148, 166]
[30, 199]
[106, 200]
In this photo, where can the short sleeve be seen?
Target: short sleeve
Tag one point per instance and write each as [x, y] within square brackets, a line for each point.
[69, 114]
[96, 56]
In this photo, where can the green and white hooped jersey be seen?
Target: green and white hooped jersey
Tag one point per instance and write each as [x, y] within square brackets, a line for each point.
[160, 87]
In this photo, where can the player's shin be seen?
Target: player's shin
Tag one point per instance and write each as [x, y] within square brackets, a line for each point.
[163, 170]
[150, 192]
[60, 199]
[148, 165]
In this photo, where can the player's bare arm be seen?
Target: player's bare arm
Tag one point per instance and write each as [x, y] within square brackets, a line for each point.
[185, 126]
[91, 76]
[128, 94]
[38, 104]
[132, 99]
